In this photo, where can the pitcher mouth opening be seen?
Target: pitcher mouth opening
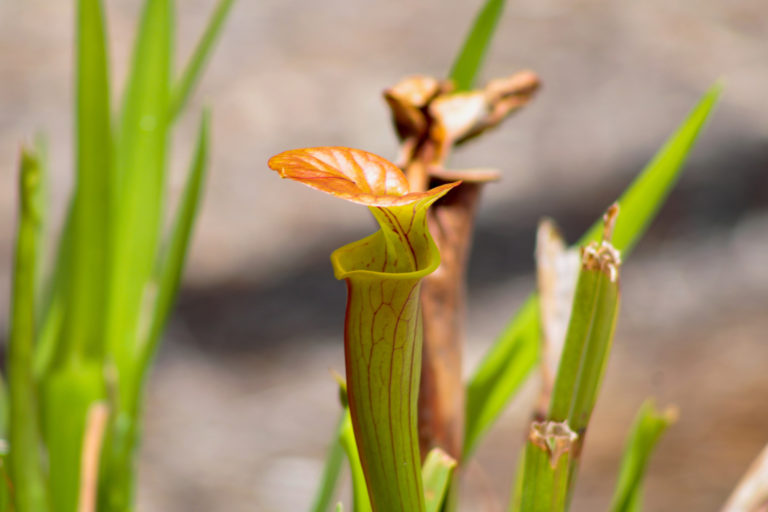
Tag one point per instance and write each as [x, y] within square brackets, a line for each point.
[348, 264]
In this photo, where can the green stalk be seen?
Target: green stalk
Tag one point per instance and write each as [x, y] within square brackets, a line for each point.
[74, 380]
[41, 150]
[437, 473]
[514, 354]
[140, 166]
[586, 350]
[5, 480]
[362, 502]
[69, 394]
[501, 372]
[54, 306]
[331, 471]
[548, 455]
[4, 405]
[516, 499]
[646, 431]
[552, 453]
[82, 336]
[139, 173]
[589, 338]
[24, 460]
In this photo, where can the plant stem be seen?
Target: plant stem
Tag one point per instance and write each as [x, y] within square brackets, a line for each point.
[331, 470]
[362, 502]
[648, 427]
[546, 474]
[25, 465]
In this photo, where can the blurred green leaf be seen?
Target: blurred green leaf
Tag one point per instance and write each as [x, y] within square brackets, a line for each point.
[54, 303]
[5, 480]
[362, 502]
[331, 471]
[140, 170]
[502, 371]
[117, 481]
[67, 395]
[76, 378]
[140, 185]
[3, 414]
[470, 58]
[191, 75]
[646, 431]
[87, 261]
[515, 352]
[41, 150]
[436, 475]
[52, 296]
[175, 253]
[24, 460]
[647, 193]
[516, 498]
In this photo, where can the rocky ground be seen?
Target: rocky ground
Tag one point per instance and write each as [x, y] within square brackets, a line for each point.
[241, 404]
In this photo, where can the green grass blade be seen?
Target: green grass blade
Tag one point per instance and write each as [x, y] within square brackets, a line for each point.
[140, 175]
[362, 502]
[85, 299]
[172, 263]
[547, 483]
[140, 171]
[52, 290]
[436, 475]
[191, 75]
[502, 372]
[67, 395]
[5, 480]
[3, 415]
[331, 472]
[54, 303]
[50, 333]
[76, 377]
[646, 431]
[647, 193]
[126, 425]
[25, 465]
[41, 150]
[515, 352]
[470, 58]
[516, 497]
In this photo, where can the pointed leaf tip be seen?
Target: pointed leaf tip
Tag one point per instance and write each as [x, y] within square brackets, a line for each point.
[351, 174]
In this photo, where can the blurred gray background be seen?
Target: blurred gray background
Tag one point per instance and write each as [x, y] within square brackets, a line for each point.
[242, 404]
